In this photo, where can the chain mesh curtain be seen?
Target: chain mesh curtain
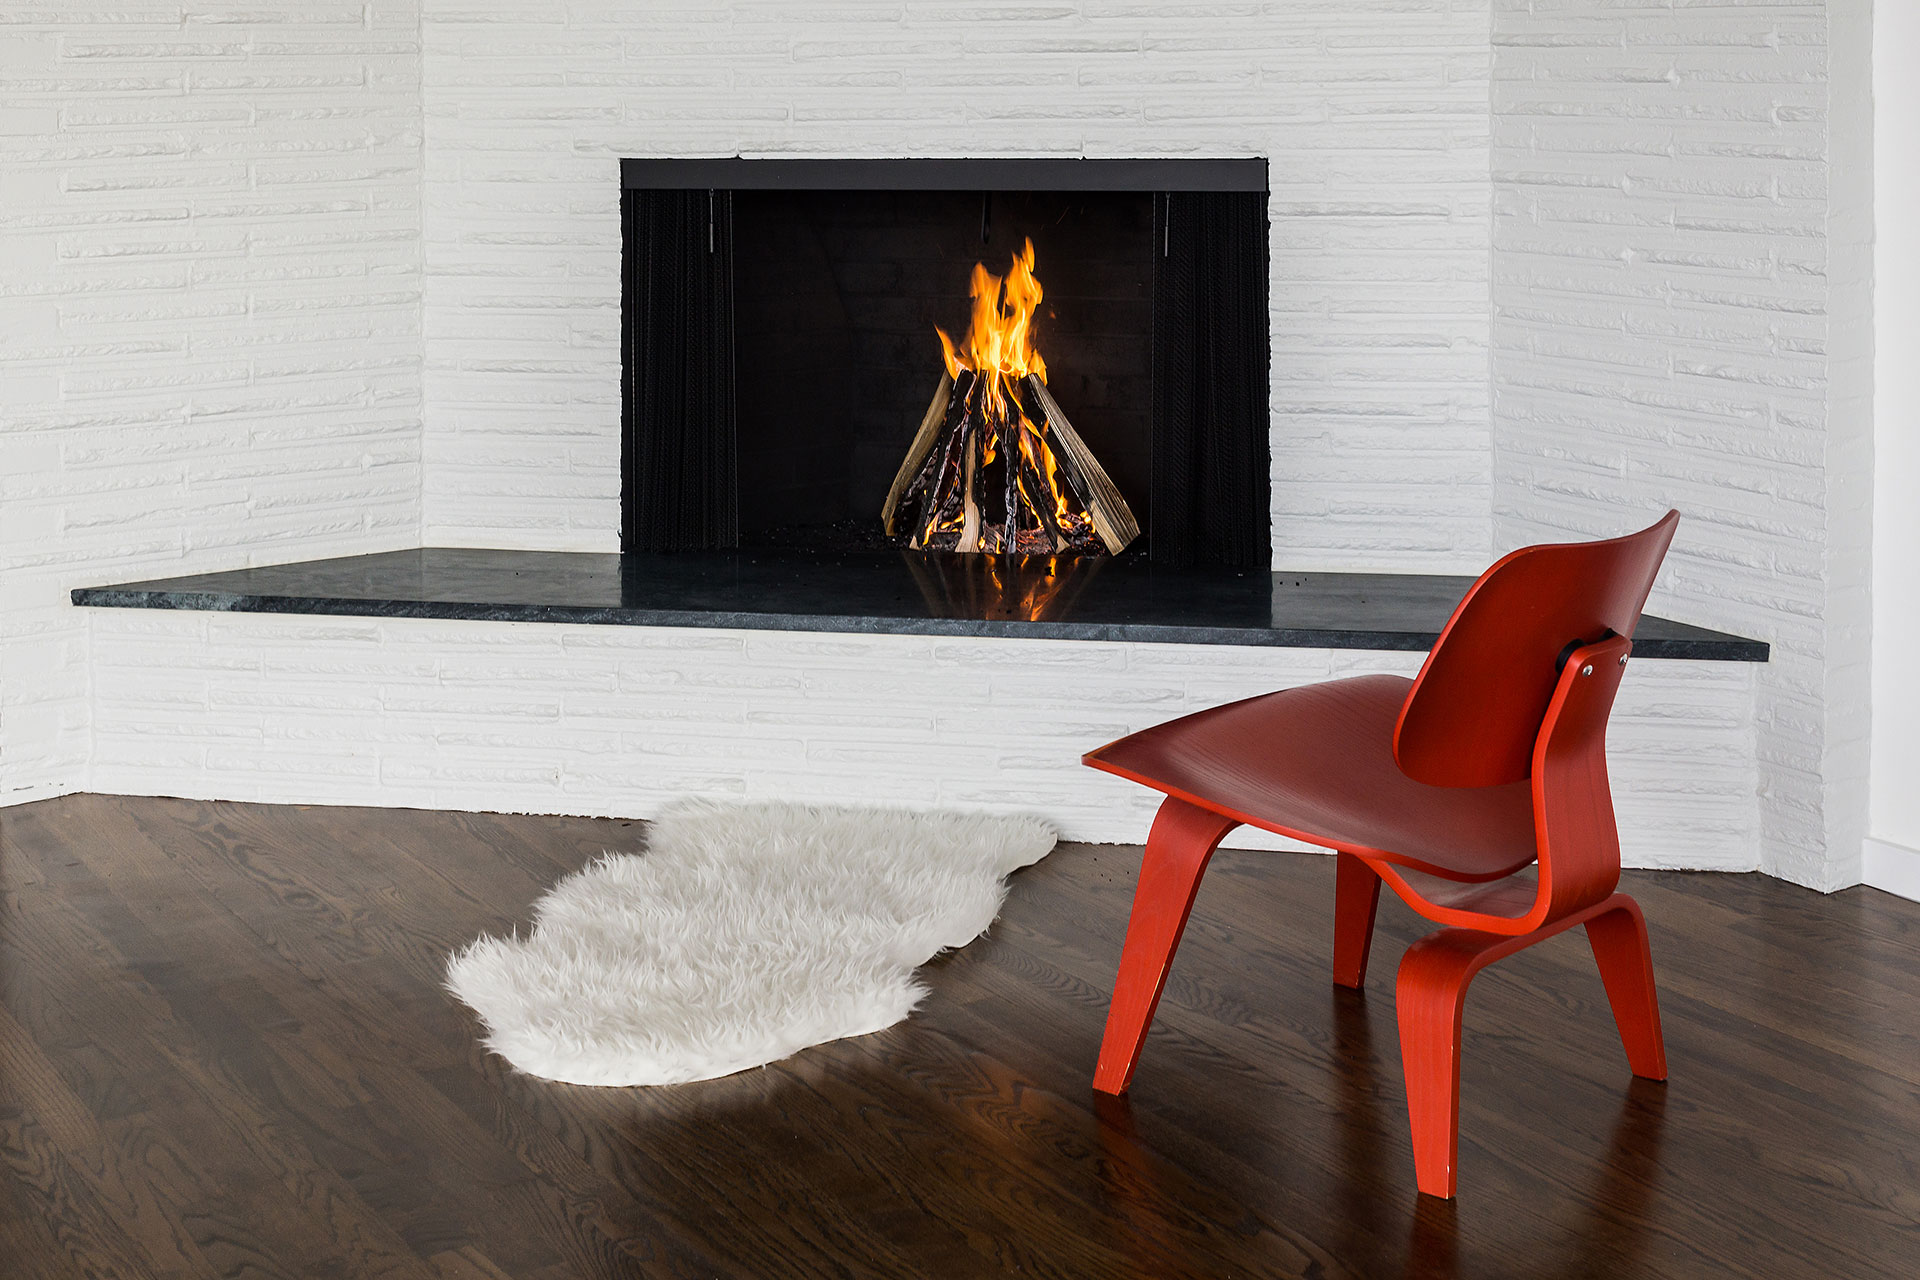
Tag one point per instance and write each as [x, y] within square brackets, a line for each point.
[679, 468]
[1212, 484]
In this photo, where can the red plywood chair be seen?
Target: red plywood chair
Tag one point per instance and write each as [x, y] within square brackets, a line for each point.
[1450, 787]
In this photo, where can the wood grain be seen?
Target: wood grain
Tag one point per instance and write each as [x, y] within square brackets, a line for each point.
[225, 1051]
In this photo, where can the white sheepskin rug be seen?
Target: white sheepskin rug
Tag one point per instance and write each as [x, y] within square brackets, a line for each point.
[741, 935]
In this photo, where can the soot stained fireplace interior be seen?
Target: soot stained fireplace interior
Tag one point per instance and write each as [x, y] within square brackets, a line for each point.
[1064, 359]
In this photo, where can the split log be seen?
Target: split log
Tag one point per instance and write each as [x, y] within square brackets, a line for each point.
[970, 524]
[939, 482]
[917, 452]
[1009, 447]
[1112, 517]
[1040, 501]
[942, 490]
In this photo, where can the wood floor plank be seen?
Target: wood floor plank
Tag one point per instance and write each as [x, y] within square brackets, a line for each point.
[1553, 1063]
[76, 1225]
[391, 1111]
[206, 1146]
[225, 1049]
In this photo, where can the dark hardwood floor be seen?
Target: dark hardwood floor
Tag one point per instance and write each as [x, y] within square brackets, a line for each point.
[225, 1051]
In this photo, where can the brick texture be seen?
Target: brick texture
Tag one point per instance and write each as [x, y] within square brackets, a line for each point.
[1676, 270]
[1373, 114]
[209, 313]
[296, 279]
[621, 720]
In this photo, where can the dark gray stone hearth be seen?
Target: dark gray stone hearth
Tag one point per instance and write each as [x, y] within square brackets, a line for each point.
[904, 594]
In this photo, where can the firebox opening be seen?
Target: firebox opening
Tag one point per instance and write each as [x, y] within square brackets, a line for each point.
[785, 384]
[838, 300]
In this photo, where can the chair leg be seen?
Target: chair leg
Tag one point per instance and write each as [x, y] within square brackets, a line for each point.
[1429, 996]
[1181, 842]
[1619, 939]
[1356, 897]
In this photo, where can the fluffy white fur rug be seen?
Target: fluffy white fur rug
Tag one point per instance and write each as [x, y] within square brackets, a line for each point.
[741, 935]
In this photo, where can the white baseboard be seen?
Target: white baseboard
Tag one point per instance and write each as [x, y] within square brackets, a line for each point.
[1894, 868]
[44, 790]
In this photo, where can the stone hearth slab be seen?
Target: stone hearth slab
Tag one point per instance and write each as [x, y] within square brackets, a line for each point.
[905, 594]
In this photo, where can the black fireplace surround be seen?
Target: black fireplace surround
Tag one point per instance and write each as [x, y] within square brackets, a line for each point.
[779, 350]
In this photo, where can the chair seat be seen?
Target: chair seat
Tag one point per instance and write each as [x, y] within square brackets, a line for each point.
[1316, 763]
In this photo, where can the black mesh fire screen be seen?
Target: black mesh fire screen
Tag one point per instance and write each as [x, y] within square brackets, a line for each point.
[679, 464]
[1203, 258]
[1211, 479]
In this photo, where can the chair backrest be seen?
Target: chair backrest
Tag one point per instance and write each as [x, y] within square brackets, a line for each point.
[1477, 705]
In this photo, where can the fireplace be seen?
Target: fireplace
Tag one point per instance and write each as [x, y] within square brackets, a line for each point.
[798, 370]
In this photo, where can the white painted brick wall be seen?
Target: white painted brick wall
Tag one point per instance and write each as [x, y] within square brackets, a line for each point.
[1372, 112]
[621, 720]
[1677, 286]
[209, 313]
[226, 251]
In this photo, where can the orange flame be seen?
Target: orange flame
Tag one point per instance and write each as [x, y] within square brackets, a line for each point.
[999, 343]
[1026, 506]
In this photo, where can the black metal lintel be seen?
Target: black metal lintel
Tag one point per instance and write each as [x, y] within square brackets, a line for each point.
[947, 174]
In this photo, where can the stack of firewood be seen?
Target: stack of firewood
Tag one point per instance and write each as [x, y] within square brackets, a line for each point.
[996, 466]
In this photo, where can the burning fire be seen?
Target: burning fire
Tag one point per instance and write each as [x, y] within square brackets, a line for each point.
[999, 351]
[1000, 342]
[987, 471]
